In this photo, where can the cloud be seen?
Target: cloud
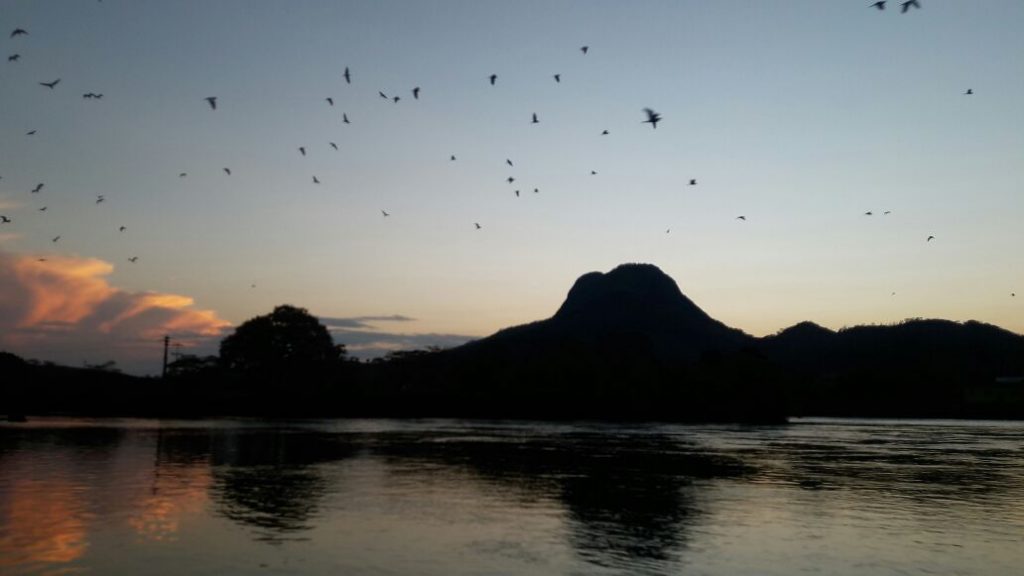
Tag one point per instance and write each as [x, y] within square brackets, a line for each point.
[361, 321]
[64, 309]
[362, 339]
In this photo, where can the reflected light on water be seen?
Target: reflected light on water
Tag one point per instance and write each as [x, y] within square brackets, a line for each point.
[45, 524]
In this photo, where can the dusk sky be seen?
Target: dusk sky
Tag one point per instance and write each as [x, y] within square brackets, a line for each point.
[800, 116]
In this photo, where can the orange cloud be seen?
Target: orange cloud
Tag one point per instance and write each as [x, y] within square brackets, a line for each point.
[65, 305]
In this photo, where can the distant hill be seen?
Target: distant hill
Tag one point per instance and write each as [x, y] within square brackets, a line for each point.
[626, 344]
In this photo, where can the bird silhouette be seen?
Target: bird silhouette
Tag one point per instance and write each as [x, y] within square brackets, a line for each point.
[880, 5]
[517, 193]
[37, 188]
[30, 133]
[494, 78]
[652, 117]
[477, 224]
[510, 179]
[182, 174]
[969, 92]
[1014, 294]
[930, 238]
[453, 158]
[536, 190]
[604, 132]
[100, 198]
[348, 77]
[869, 213]
[508, 161]
[395, 99]
[385, 213]
[584, 49]
[744, 218]
[593, 173]
[133, 259]
[416, 93]
[122, 228]
[907, 5]
[43, 209]
[693, 181]
[92, 96]
[382, 95]
[19, 32]
[55, 238]
[302, 150]
[4, 219]
[558, 77]
[344, 118]
[535, 121]
[212, 101]
[333, 145]
[13, 57]
[887, 212]
[330, 100]
[316, 180]
[227, 171]
[50, 85]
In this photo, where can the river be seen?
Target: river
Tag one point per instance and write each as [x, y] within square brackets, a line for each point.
[455, 497]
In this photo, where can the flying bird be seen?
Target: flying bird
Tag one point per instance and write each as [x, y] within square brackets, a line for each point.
[330, 100]
[122, 228]
[593, 173]
[535, 121]
[4, 219]
[344, 118]
[227, 171]
[693, 181]
[212, 101]
[517, 193]
[558, 77]
[510, 179]
[19, 32]
[302, 150]
[182, 174]
[316, 180]
[416, 93]
[536, 190]
[348, 77]
[13, 57]
[333, 145]
[453, 158]
[969, 92]
[55, 238]
[880, 5]
[904, 6]
[382, 95]
[869, 213]
[744, 218]
[584, 49]
[886, 212]
[50, 85]
[652, 117]
[930, 238]
[385, 213]
[395, 99]
[133, 259]
[43, 209]
[508, 161]
[37, 188]
[100, 198]
[477, 224]
[30, 133]
[494, 78]
[604, 132]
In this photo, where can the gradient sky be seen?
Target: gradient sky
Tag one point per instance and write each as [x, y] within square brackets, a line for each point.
[799, 115]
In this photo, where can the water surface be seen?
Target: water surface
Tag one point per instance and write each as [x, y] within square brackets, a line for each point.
[452, 497]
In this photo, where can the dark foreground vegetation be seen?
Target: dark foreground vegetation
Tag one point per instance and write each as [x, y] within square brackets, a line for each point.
[624, 345]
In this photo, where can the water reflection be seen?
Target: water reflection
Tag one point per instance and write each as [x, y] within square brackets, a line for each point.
[269, 479]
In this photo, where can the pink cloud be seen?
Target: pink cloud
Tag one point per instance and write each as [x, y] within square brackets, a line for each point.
[64, 309]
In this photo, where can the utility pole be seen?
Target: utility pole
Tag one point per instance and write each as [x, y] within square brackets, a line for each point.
[167, 342]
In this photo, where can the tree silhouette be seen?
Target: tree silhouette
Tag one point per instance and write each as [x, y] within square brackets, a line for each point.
[286, 343]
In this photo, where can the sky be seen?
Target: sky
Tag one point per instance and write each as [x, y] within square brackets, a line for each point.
[800, 116]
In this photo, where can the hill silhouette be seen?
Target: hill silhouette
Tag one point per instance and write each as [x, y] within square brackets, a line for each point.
[626, 344]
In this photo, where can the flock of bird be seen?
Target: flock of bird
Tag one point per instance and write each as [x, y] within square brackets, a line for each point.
[650, 117]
